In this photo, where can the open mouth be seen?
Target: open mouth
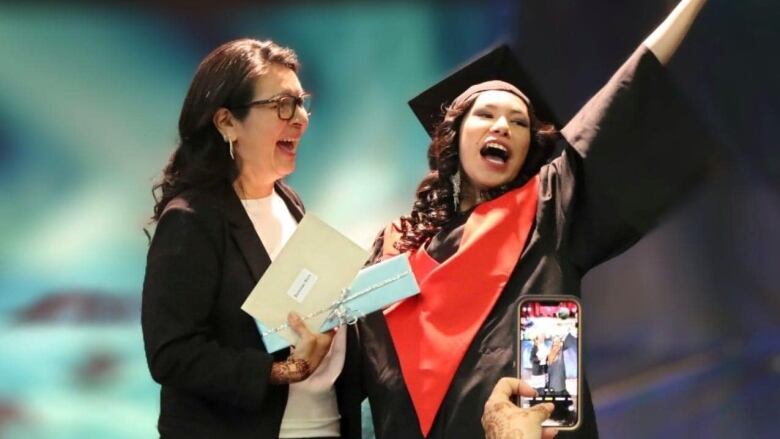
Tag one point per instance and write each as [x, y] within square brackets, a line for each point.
[495, 153]
[286, 145]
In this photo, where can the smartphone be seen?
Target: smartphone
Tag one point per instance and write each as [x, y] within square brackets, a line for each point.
[549, 356]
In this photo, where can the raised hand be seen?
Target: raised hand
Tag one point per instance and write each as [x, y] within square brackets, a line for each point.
[665, 39]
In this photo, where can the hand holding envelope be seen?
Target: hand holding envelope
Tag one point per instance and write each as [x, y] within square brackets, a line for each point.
[314, 275]
[311, 347]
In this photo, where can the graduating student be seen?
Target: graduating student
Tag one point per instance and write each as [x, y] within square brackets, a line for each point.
[513, 207]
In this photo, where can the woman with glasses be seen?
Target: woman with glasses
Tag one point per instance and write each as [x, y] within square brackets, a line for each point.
[513, 207]
[223, 213]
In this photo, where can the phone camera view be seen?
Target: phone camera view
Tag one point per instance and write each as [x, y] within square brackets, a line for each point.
[549, 357]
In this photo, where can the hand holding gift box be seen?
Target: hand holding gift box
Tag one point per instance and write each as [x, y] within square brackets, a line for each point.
[316, 275]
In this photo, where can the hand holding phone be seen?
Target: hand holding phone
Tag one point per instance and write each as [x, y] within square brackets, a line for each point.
[503, 419]
[549, 356]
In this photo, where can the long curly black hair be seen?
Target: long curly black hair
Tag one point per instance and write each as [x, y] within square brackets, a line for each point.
[434, 205]
[225, 78]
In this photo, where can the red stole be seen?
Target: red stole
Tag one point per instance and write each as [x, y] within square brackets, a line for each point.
[432, 331]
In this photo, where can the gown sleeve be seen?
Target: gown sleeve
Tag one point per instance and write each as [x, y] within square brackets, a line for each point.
[179, 294]
[629, 154]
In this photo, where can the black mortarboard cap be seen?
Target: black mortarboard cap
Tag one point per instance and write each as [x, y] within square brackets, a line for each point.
[498, 64]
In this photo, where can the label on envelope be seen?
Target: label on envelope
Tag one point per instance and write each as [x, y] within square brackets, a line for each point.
[302, 285]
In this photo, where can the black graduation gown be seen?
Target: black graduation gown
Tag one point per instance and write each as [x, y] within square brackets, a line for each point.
[627, 156]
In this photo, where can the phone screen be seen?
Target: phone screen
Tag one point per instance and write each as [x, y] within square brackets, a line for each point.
[549, 356]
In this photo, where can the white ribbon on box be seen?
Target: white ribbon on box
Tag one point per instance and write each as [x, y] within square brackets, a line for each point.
[343, 314]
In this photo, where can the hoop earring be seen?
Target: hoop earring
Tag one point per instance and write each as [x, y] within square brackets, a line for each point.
[455, 180]
[230, 147]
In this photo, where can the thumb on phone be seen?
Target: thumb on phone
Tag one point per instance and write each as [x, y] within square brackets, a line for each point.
[541, 412]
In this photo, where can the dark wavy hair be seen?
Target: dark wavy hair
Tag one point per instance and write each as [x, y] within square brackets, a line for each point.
[434, 205]
[225, 78]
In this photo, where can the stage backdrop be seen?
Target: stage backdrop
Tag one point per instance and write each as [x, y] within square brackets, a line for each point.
[682, 331]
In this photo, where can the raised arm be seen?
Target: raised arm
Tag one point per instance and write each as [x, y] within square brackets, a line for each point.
[665, 39]
[638, 149]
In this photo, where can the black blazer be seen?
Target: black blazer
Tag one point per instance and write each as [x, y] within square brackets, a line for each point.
[205, 351]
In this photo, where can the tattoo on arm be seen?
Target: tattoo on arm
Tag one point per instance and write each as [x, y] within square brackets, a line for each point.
[290, 371]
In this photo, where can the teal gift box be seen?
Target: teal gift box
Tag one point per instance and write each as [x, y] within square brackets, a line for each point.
[374, 288]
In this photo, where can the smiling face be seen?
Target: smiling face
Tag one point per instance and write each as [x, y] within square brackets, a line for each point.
[494, 139]
[266, 146]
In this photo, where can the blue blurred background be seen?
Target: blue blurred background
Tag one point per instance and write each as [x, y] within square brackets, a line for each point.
[682, 333]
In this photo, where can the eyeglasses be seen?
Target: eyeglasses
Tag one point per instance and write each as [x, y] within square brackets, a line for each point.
[285, 105]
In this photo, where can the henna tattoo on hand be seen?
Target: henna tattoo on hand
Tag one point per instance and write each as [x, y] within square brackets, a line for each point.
[498, 419]
[289, 371]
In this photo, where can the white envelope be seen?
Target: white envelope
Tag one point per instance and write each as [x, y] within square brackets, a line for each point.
[307, 276]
